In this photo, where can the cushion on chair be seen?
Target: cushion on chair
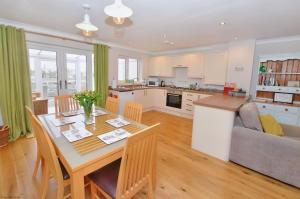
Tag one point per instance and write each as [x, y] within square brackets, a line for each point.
[65, 174]
[107, 177]
[250, 116]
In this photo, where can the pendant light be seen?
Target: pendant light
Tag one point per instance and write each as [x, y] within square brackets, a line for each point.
[86, 26]
[118, 11]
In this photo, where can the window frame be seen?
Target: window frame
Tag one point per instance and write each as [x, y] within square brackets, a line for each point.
[139, 75]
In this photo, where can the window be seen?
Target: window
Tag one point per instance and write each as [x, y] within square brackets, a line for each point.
[128, 69]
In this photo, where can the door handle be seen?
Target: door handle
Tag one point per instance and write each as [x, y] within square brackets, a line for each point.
[66, 84]
[60, 84]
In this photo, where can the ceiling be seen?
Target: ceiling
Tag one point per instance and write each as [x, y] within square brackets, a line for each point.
[187, 23]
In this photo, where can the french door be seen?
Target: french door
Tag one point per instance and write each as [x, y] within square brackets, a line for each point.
[59, 70]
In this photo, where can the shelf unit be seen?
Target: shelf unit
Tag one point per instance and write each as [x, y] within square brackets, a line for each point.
[282, 71]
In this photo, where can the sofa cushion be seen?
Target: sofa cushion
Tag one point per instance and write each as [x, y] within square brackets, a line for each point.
[270, 125]
[250, 116]
[293, 138]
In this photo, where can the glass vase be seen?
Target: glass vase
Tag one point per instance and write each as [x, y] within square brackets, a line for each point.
[88, 114]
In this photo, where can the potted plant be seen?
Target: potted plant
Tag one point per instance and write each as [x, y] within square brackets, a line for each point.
[87, 99]
[4, 135]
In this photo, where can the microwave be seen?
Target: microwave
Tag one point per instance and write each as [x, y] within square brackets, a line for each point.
[152, 83]
[283, 97]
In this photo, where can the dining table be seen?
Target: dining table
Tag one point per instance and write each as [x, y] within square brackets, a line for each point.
[89, 154]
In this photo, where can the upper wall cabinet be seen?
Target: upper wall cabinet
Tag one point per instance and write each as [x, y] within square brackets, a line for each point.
[215, 67]
[161, 66]
[164, 65]
[196, 65]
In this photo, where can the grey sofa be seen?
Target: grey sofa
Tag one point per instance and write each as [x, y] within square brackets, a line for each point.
[274, 156]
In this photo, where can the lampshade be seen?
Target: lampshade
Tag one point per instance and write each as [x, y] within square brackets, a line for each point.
[118, 11]
[86, 24]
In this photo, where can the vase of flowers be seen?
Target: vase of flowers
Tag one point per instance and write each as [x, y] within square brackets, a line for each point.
[87, 99]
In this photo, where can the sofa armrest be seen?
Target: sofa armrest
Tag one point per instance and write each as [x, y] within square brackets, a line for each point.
[275, 156]
[290, 130]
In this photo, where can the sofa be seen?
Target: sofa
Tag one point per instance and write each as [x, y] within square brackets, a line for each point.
[271, 155]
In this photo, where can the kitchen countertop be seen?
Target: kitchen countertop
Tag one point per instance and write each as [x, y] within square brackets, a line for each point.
[200, 91]
[221, 101]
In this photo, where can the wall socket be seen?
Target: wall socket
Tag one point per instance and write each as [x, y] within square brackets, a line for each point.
[238, 68]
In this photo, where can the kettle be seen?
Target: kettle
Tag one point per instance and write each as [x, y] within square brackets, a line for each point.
[162, 83]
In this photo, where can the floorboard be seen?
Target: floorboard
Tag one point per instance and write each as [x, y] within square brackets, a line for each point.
[181, 172]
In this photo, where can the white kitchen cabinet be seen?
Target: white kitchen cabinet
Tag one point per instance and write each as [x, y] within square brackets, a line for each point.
[196, 65]
[161, 66]
[188, 99]
[283, 114]
[125, 97]
[159, 97]
[215, 67]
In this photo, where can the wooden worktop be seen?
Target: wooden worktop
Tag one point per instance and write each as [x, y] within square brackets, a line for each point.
[221, 101]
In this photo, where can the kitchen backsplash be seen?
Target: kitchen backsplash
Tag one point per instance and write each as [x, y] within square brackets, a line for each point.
[181, 79]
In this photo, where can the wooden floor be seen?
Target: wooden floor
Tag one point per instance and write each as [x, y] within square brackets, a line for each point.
[182, 173]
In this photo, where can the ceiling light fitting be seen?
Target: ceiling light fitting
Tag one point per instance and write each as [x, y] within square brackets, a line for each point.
[118, 11]
[222, 23]
[86, 26]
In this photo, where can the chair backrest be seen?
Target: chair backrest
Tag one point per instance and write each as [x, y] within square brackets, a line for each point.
[133, 111]
[112, 104]
[65, 103]
[46, 148]
[137, 163]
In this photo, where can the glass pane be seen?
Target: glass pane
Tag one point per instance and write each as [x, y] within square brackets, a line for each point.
[76, 73]
[133, 69]
[121, 69]
[43, 73]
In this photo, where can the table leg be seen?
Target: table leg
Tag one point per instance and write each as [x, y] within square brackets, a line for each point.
[77, 185]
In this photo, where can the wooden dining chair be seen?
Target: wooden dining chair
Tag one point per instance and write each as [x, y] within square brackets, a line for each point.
[65, 103]
[133, 111]
[123, 178]
[112, 104]
[51, 164]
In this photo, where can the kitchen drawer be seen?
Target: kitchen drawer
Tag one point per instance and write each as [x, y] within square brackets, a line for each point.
[286, 118]
[278, 108]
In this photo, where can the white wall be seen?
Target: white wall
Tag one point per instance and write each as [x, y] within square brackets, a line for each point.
[240, 63]
[276, 48]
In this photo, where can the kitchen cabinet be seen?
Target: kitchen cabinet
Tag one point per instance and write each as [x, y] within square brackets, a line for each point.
[187, 101]
[161, 66]
[159, 97]
[215, 67]
[125, 97]
[196, 65]
[283, 114]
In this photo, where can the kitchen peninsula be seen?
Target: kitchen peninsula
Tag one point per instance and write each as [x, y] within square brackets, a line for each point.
[213, 122]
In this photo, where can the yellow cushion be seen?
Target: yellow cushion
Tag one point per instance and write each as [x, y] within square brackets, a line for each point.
[270, 125]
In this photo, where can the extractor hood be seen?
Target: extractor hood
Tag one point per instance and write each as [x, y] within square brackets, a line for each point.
[180, 66]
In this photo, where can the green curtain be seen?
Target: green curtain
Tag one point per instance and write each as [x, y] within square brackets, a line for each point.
[101, 72]
[15, 85]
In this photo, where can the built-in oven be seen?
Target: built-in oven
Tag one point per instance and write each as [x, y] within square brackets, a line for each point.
[174, 98]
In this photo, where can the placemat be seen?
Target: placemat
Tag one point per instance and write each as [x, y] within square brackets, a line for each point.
[92, 143]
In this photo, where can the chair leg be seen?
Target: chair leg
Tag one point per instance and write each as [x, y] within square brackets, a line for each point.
[93, 191]
[60, 192]
[45, 181]
[150, 189]
[37, 164]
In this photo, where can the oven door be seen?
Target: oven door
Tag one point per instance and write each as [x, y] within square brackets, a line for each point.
[174, 100]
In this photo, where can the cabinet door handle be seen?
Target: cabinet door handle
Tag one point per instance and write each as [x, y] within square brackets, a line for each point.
[60, 84]
[188, 104]
[188, 110]
[189, 100]
[66, 84]
[264, 106]
[286, 109]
